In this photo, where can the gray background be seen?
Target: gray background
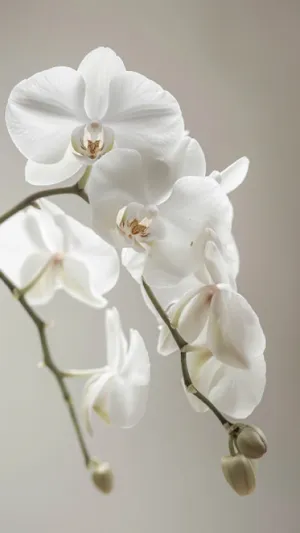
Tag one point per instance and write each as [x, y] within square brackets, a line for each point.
[234, 67]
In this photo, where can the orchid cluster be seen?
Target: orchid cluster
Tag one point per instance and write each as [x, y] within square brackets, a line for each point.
[121, 140]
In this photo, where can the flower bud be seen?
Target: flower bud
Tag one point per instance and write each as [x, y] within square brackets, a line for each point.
[251, 442]
[239, 473]
[103, 478]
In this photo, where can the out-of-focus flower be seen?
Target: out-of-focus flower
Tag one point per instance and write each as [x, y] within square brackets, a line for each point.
[118, 392]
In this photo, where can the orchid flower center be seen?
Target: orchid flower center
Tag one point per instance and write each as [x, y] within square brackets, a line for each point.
[139, 225]
[57, 259]
[92, 141]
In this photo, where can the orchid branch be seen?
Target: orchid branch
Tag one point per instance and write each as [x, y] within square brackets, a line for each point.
[29, 200]
[50, 364]
[182, 344]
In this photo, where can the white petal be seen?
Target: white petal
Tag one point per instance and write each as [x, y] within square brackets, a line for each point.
[42, 230]
[189, 159]
[193, 316]
[168, 260]
[169, 296]
[221, 259]
[216, 265]
[166, 344]
[90, 257]
[134, 262]
[43, 110]
[42, 292]
[238, 392]
[98, 68]
[195, 204]
[234, 175]
[41, 174]
[15, 246]
[114, 182]
[143, 115]
[95, 394]
[234, 391]
[126, 405]
[136, 370]
[201, 377]
[116, 343]
[76, 282]
[159, 181]
[235, 336]
[50, 207]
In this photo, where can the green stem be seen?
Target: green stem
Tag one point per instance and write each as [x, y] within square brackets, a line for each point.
[182, 345]
[49, 363]
[73, 189]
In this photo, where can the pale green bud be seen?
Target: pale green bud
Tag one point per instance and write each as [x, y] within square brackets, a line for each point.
[103, 478]
[251, 442]
[239, 473]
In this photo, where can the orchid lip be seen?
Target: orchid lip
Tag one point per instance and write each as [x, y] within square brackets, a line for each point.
[91, 141]
[139, 225]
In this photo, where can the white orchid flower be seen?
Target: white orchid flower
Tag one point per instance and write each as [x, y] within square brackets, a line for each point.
[233, 176]
[43, 250]
[164, 230]
[63, 120]
[118, 392]
[226, 361]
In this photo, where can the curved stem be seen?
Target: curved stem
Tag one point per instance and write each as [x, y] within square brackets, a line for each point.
[49, 363]
[73, 189]
[182, 345]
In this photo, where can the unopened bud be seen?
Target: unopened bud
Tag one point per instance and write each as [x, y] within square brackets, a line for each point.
[239, 473]
[251, 442]
[103, 478]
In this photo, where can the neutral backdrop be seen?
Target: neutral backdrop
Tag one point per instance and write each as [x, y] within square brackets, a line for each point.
[234, 67]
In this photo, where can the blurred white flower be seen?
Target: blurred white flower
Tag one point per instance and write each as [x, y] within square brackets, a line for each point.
[230, 178]
[63, 120]
[43, 250]
[118, 392]
[165, 225]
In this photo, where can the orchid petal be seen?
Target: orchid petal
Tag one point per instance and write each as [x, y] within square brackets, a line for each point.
[42, 112]
[98, 68]
[94, 394]
[230, 178]
[68, 167]
[134, 262]
[194, 314]
[43, 290]
[143, 115]
[114, 182]
[137, 364]
[235, 336]
[116, 341]
[234, 391]
[91, 266]
[126, 404]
